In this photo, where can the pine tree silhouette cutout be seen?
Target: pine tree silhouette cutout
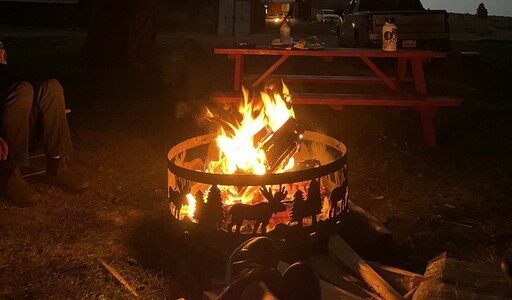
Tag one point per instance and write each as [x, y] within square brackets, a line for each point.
[199, 196]
[213, 213]
[298, 206]
[314, 200]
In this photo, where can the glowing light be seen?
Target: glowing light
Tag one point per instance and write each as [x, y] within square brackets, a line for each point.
[191, 206]
[238, 142]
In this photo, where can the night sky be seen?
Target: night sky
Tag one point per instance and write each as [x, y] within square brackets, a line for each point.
[495, 7]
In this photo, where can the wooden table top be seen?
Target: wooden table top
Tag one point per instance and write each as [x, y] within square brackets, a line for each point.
[332, 52]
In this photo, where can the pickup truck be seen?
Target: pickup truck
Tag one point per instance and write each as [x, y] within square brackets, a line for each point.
[362, 21]
[327, 16]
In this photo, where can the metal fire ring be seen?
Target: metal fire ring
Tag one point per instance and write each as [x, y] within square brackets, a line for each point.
[256, 180]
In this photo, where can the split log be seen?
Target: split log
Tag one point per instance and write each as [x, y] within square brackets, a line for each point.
[372, 223]
[452, 278]
[330, 291]
[410, 294]
[345, 254]
[401, 280]
[119, 278]
[364, 232]
[327, 270]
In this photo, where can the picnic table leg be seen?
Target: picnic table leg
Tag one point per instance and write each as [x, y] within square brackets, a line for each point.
[390, 83]
[239, 67]
[419, 76]
[270, 70]
[427, 115]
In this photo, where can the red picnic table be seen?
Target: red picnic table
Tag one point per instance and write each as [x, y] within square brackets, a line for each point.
[426, 105]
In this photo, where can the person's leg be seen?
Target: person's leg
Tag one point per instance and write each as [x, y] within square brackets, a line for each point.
[16, 107]
[251, 271]
[49, 119]
[49, 116]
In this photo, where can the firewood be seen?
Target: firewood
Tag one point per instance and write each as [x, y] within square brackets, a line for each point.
[410, 294]
[451, 278]
[368, 220]
[330, 291]
[363, 231]
[401, 280]
[340, 277]
[344, 253]
[119, 278]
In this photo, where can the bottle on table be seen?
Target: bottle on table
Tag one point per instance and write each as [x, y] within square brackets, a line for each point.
[389, 35]
[285, 32]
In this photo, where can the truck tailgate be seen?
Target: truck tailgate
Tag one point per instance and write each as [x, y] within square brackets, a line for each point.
[416, 22]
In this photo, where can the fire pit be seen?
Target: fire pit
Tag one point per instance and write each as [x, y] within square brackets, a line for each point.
[297, 191]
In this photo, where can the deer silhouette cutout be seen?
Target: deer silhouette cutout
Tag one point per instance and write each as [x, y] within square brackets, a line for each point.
[179, 197]
[260, 213]
[338, 194]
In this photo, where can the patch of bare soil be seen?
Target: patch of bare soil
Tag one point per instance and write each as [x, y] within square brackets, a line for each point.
[452, 198]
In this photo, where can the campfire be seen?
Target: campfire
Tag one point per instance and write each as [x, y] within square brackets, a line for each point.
[260, 171]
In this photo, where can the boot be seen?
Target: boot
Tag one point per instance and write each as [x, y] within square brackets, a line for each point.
[17, 191]
[60, 174]
[251, 270]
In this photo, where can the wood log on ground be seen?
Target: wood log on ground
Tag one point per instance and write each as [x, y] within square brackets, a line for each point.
[449, 278]
[401, 280]
[119, 278]
[364, 232]
[345, 254]
[327, 270]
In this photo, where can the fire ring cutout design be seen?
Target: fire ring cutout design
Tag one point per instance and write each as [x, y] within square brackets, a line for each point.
[307, 197]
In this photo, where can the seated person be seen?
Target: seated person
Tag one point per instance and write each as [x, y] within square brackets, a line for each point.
[33, 116]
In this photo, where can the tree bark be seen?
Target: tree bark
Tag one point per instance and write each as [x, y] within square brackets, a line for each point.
[121, 33]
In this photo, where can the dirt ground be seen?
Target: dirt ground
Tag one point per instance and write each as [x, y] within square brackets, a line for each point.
[453, 198]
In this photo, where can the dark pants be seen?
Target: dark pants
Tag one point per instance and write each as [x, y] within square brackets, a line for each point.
[32, 117]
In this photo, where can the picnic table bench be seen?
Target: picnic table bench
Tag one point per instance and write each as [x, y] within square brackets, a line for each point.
[398, 97]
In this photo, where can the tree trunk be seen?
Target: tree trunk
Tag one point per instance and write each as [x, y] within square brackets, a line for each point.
[121, 33]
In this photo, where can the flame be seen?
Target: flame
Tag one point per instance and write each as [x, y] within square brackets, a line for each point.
[191, 206]
[238, 144]
[276, 110]
[208, 113]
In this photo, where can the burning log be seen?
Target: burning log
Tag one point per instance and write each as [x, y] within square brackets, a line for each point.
[281, 145]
